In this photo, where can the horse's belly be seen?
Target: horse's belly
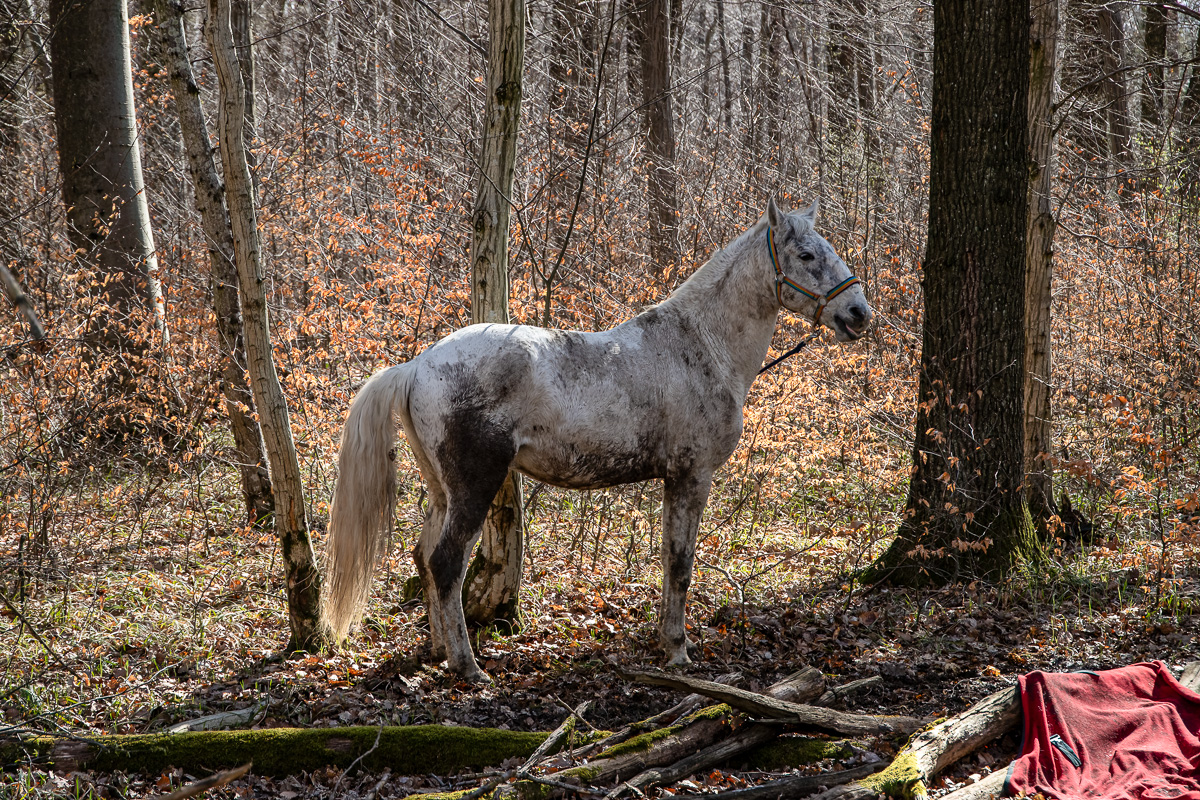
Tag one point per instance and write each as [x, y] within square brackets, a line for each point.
[573, 468]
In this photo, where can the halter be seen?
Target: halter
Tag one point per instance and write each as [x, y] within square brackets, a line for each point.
[821, 300]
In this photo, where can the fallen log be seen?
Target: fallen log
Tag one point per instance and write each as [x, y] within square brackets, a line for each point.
[815, 718]
[656, 748]
[931, 751]
[987, 786]
[799, 686]
[224, 719]
[745, 739]
[414, 749]
[799, 785]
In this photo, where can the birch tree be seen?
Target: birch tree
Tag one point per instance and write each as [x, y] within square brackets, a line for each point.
[214, 219]
[291, 523]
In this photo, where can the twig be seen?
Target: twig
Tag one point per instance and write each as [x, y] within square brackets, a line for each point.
[356, 761]
[32, 630]
[211, 782]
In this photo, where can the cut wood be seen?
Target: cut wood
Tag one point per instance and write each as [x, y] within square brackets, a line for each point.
[813, 717]
[1191, 676]
[931, 751]
[800, 785]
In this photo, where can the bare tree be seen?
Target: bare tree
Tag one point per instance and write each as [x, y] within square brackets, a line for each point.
[662, 184]
[214, 219]
[494, 580]
[1039, 259]
[100, 160]
[291, 523]
[965, 515]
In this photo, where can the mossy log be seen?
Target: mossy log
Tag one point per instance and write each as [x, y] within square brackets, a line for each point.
[278, 752]
[933, 750]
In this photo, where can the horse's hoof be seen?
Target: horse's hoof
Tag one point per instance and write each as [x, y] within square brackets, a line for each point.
[479, 678]
[679, 659]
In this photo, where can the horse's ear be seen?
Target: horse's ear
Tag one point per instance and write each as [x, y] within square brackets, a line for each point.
[774, 215]
[810, 213]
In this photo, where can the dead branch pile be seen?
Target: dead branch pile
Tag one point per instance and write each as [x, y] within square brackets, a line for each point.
[690, 740]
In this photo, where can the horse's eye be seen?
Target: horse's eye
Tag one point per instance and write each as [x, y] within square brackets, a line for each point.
[806, 256]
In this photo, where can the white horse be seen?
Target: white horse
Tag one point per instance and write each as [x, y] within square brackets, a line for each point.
[659, 396]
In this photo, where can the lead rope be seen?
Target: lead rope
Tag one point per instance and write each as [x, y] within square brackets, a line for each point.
[805, 342]
[820, 300]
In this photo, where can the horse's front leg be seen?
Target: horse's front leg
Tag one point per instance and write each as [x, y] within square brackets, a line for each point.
[683, 504]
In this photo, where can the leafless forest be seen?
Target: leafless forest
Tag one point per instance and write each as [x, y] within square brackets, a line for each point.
[137, 588]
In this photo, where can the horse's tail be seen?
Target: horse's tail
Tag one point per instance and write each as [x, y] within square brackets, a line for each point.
[365, 498]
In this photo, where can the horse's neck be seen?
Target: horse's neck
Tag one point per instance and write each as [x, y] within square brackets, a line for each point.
[731, 299]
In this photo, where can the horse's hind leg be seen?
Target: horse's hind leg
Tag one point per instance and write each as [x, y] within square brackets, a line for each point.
[431, 533]
[683, 505]
[471, 484]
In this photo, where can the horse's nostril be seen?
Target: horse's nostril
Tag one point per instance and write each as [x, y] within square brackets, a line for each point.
[858, 313]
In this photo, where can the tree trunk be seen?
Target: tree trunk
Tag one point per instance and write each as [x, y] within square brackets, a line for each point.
[965, 515]
[214, 219]
[291, 524]
[1155, 37]
[494, 578]
[108, 219]
[661, 182]
[1112, 85]
[1039, 260]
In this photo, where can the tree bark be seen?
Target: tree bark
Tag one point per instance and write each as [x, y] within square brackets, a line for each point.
[291, 524]
[965, 515]
[492, 587]
[214, 220]
[108, 219]
[1039, 261]
[662, 194]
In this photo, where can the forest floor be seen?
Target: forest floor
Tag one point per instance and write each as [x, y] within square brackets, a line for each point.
[139, 629]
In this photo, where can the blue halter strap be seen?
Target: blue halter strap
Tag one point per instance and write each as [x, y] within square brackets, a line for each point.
[781, 280]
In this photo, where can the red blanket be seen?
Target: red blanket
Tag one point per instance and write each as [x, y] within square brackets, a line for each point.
[1122, 734]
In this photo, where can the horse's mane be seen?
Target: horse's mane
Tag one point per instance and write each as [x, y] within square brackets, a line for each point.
[719, 264]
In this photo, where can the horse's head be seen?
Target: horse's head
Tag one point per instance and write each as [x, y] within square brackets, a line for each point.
[811, 278]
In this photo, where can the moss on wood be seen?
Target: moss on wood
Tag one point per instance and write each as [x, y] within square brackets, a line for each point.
[902, 778]
[283, 751]
[792, 751]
